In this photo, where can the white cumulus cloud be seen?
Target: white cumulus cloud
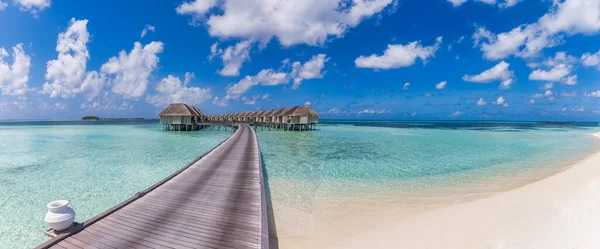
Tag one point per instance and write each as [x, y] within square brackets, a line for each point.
[310, 22]
[146, 29]
[372, 111]
[558, 69]
[132, 70]
[250, 101]
[481, 102]
[195, 7]
[591, 60]
[65, 74]
[456, 114]
[441, 85]
[406, 86]
[93, 84]
[565, 18]
[333, 111]
[171, 90]
[555, 74]
[499, 72]
[593, 94]
[311, 69]
[500, 101]
[499, 3]
[233, 57]
[14, 77]
[33, 6]
[397, 56]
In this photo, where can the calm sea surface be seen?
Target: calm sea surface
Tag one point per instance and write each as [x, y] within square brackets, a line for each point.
[99, 164]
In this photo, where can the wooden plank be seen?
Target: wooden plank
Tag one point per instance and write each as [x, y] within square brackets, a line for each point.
[185, 233]
[69, 245]
[109, 239]
[235, 212]
[135, 235]
[195, 226]
[79, 243]
[218, 220]
[160, 233]
[98, 241]
[209, 192]
[58, 247]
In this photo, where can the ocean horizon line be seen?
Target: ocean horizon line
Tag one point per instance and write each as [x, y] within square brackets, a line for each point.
[324, 119]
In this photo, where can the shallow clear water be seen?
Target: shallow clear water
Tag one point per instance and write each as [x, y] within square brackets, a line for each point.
[98, 166]
[341, 159]
[93, 166]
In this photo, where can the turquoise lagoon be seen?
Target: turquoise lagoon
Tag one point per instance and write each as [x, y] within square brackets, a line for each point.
[98, 166]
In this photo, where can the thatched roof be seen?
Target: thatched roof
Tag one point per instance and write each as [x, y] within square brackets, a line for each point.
[280, 112]
[260, 114]
[254, 114]
[298, 111]
[266, 113]
[181, 110]
[198, 111]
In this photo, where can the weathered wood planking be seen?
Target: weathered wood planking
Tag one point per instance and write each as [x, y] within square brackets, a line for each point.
[217, 201]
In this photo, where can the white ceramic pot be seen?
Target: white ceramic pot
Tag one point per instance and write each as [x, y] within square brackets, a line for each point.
[60, 216]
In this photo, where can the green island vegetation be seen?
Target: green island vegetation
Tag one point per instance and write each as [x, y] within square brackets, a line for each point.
[95, 118]
[90, 118]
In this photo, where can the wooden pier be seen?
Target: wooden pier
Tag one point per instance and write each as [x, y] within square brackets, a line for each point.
[217, 201]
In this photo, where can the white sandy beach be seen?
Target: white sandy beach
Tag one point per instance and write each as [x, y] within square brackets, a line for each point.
[560, 211]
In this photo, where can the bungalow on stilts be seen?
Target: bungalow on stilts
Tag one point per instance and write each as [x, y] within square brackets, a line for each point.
[182, 117]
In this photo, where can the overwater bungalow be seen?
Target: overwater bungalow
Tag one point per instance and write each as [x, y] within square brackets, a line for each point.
[266, 117]
[302, 115]
[186, 117]
[239, 116]
[181, 117]
[243, 116]
[246, 116]
[278, 115]
[254, 116]
[228, 117]
[259, 117]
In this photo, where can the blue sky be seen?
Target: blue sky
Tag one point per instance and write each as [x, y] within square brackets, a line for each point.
[462, 59]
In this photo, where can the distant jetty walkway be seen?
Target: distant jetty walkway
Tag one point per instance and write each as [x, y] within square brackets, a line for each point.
[217, 201]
